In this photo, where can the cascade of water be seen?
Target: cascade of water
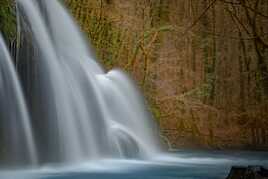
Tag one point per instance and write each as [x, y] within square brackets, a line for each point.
[16, 132]
[80, 112]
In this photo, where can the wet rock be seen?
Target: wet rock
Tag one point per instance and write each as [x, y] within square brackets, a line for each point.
[250, 172]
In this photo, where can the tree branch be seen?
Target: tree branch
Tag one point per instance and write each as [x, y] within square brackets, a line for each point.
[200, 17]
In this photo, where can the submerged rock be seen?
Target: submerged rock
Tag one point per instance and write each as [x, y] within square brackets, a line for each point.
[250, 172]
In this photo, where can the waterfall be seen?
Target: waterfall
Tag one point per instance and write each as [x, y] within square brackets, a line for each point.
[17, 144]
[78, 111]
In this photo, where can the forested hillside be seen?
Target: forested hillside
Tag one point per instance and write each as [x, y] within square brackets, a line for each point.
[202, 64]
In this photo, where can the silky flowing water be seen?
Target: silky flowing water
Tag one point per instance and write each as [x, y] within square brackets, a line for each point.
[16, 132]
[71, 119]
[81, 112]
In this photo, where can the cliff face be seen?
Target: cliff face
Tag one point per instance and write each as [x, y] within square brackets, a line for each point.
[202, 64]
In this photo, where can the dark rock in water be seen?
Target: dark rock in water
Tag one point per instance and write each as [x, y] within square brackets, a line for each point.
[250, 172]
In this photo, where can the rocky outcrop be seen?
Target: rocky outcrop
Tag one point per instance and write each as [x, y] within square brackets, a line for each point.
[251, 172]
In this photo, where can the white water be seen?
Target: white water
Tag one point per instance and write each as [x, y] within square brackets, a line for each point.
[16, 132]
[79, 112]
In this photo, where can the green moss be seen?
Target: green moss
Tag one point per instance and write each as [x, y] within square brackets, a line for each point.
[7, 19]
[156, 112]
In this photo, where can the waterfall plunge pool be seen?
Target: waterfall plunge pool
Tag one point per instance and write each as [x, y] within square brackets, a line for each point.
[179, 164]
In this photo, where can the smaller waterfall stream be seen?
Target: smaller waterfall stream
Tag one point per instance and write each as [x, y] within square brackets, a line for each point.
[16, 132]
